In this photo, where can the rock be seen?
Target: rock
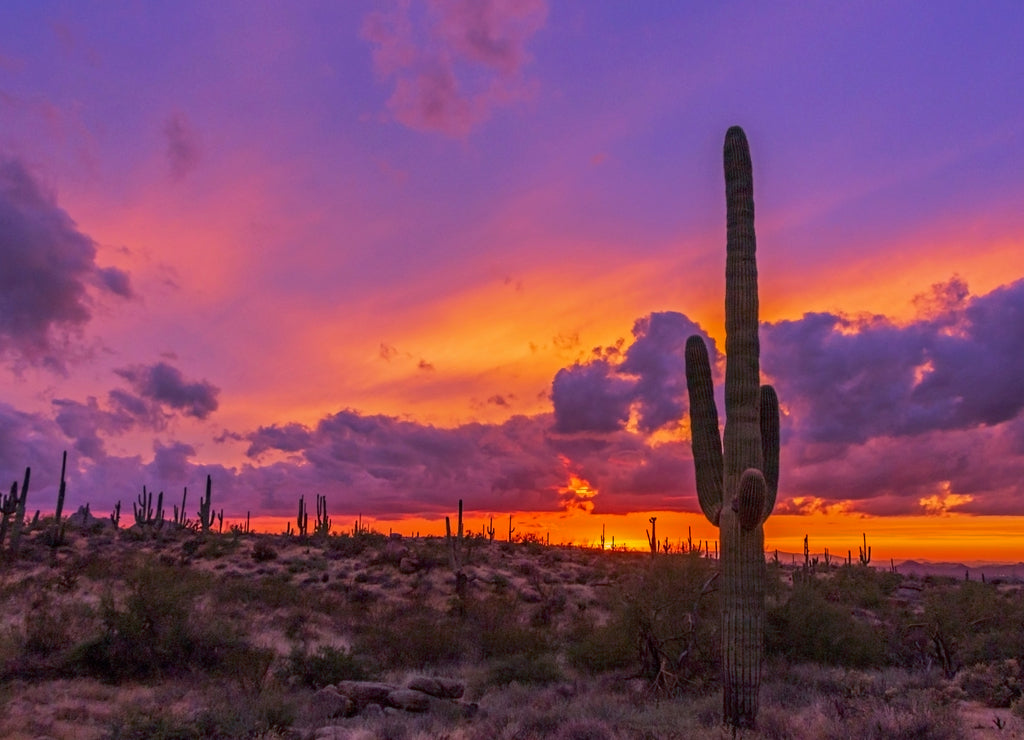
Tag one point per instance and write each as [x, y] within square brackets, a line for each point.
[394, 552]
[328, 703]
[373, 710]
[530, 596]
[408, 565]
[409, 700]
[334, 732]
[84, 519]
[452, 710]
[364, 693]
[442, 688]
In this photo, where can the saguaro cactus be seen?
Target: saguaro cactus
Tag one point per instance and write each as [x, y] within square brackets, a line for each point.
[737, 490]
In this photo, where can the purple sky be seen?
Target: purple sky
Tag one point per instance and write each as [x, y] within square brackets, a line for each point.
[405, 252]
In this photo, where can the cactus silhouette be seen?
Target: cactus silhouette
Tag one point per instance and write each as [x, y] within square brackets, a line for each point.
[737, 488]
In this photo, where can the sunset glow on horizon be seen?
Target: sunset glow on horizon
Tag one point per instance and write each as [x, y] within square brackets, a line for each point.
[406, 253]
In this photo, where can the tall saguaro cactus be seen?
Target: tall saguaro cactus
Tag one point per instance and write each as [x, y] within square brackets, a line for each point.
[737, 489]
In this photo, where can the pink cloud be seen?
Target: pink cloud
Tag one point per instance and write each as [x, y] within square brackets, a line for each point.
[455, 64]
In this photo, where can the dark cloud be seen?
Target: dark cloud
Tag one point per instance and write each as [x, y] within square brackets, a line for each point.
[286, 438]
[184, 148]
[46, 269]
[850, 380]
[165, 385]
[590, 398]
[649, 376]
[657, 360]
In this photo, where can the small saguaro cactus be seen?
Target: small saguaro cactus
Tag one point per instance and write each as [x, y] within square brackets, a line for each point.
[302, 518]
[322, 525]
[56, 536]
[652, 538]
[511, 529]
[145, 514]
[456, 557]
[865, 552]
[737, 488]
[490, 531]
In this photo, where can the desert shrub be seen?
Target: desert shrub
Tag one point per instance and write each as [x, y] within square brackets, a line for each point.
[409, 637]
[267, 592]
[496, 627]
[215, 546]
[602, 648]
[156, 632]
[977, 622]
[347, 545]
[912, 718]
[583, 729]
[328, 665]
[46, 627]
[263, 551]
[810, 628]
[673, 611]
[867, 588]
[524, 669]
[995, 684]
[154, 725]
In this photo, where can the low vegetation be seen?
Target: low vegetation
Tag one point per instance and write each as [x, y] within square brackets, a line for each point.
[116, 633]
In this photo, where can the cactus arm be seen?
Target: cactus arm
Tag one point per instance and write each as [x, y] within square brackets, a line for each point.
[707, 444]
[750, 499]
[769, 446]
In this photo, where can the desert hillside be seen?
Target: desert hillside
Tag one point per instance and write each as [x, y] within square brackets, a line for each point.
[168, 632]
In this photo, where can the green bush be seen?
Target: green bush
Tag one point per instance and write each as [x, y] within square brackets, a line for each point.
[499, 630]
[608, 647]
[524, 669]
[156, 632]
[673, 610]
[414, 637]
[810, 628]
[328, 665]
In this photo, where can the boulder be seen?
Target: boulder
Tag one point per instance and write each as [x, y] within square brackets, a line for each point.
[364, 693]
[328, 703]
[442, 688]
[409, 700]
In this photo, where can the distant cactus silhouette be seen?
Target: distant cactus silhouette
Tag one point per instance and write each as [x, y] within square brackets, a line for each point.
[145, 514]
[12, 511]
[322, 525]
[865, 552]
[737, 490]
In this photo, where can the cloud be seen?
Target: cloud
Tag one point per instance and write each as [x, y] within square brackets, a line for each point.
[589, 398]
[878, 419]
[165, 385]
[847, 380]
[454, 62]
[649, 377]
[47, 268]
[184, 147]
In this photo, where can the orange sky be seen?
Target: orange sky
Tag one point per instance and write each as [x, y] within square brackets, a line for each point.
[951, 538]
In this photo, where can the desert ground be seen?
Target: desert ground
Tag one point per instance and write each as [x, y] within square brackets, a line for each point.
[162, 631]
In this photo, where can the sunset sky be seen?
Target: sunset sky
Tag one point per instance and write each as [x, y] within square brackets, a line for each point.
[402, 253]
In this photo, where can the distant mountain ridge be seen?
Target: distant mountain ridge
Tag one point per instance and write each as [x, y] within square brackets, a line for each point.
[976, 568]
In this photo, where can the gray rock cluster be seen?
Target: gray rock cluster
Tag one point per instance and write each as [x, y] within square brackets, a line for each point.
[421, 694]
